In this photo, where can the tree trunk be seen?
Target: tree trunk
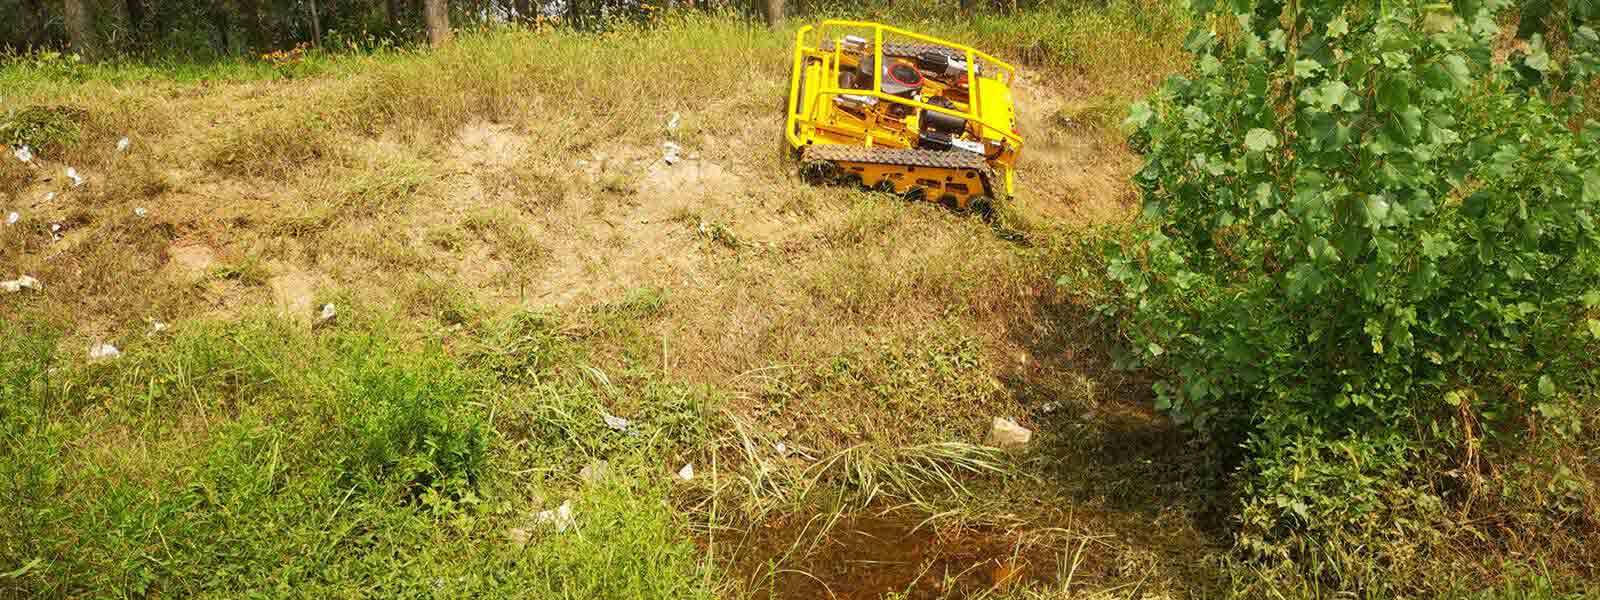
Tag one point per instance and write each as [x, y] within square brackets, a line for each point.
[136, 17]
[219, 17]
[80, 27]
[316, 25]
[524, 10]
[773, 12]
[967, 7]
[436, 16]
[394, 13]
[36, 32]
[250, 13]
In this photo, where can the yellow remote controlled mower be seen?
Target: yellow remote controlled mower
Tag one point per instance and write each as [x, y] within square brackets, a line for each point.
[902, 111]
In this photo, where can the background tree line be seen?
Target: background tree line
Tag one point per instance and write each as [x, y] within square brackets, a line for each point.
[102, 28]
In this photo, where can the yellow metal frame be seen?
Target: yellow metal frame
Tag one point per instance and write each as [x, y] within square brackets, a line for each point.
[800, 127]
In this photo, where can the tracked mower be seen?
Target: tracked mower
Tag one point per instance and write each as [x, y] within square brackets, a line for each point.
[902, 111]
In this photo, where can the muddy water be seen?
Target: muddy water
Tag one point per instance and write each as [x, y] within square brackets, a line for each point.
[865, 557]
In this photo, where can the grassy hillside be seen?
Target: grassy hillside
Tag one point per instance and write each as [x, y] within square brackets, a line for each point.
[513, 267]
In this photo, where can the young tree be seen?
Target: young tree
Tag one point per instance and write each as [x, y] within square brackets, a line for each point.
[436, 16]
[80, 27]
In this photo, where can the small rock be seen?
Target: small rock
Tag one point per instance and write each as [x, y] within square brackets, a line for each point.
[560, 518]
[103, 351]
[594, 472]
[25, 282]
[24, 154]
[122, 144]
[687, 472]
[783, 449]
[140, 212]
[1006, 433]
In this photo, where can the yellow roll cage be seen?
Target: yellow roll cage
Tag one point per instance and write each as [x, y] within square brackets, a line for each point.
[830, 89]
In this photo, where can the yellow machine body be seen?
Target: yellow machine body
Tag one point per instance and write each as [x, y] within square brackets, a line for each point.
[903, 110]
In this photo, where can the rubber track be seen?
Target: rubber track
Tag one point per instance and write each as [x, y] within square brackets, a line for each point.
[905, 157]
[912, 50]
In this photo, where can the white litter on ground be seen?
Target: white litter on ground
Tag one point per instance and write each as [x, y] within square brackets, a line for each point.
[687, 472]
[561, 518]
[672, 122]
[122, 144]
[617, 423]
[73, 175]
[102, 351]
[24, 282]
[24, 154]
[140, 212]
[11, 219]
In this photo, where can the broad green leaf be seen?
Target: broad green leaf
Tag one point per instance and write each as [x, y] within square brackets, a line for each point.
[1139, 115]
[1377, 209]
[1259, 139]
[1594, 328]
[1394, 94]
[1306, 67]
[1338, 27]
[1546, 386]
[1156, 349]
[1437, 246]
[1456, 66]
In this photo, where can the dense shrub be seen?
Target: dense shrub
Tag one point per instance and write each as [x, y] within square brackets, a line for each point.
[1369, 250]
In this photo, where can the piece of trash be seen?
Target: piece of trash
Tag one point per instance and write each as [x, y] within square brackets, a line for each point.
[783, 449]
[24, 282]
[157, 326]
[672, 122]
[24, 154]
[519, 535]
[140, 212]
[11, 219]
[560, 518]
[594, 471]
[48, 196]
[617, 423]
[687, 472]
[73, 175]
[1007, 433]
[670, 152]
[102, 351]
[55, 227]
[325, 316]
[122, 144]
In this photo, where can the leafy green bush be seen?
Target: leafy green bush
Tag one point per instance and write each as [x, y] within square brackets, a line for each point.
[1370, 251]
[414, 426]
